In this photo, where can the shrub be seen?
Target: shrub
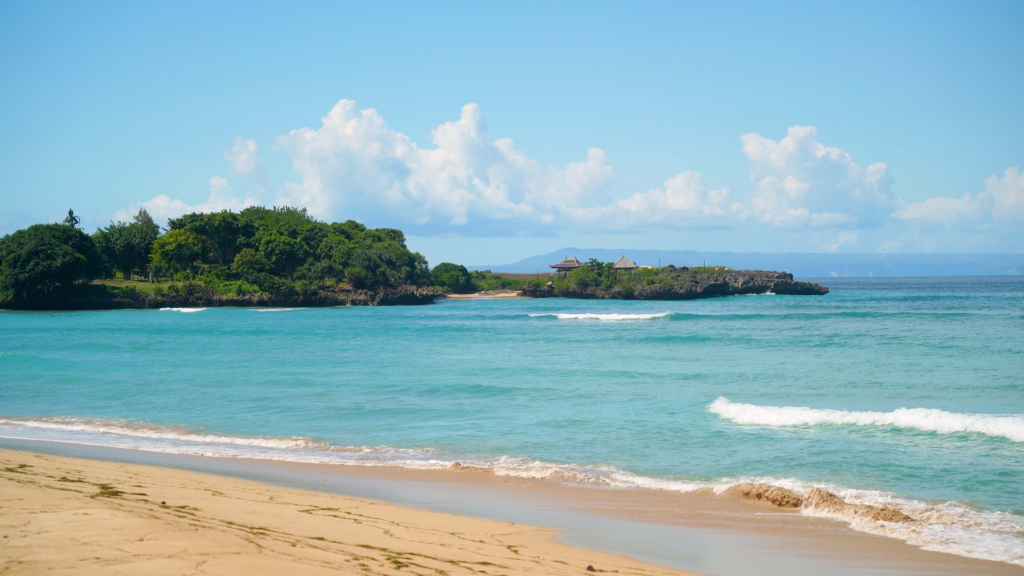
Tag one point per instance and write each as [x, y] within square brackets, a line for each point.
[452, 277]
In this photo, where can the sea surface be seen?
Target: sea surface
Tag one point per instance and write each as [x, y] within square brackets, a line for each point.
[907, 392]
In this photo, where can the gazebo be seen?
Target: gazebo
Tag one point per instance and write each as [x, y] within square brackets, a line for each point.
[567, 265]
[625, 264]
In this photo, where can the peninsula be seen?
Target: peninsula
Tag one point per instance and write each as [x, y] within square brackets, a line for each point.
[596, 280]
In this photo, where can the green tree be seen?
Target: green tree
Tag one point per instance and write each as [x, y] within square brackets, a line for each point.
[224, 232]
[453, 277]
[127, 245]
[43, 262]
[594, 274]
[178, 250]
[283, 254]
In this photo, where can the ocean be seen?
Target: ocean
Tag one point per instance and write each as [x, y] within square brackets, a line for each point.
[905, 392]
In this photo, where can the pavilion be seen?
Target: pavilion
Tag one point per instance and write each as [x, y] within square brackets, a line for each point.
[567, 265]
[625, 264]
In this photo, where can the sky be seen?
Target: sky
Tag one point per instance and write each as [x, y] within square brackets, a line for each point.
[491, 132]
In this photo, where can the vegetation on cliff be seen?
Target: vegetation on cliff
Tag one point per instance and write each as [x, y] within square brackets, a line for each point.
[600, 280]
[283, 257]
[457, 279]
[259, 256]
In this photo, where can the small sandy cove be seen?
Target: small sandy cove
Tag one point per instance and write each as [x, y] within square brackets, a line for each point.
[70, 516]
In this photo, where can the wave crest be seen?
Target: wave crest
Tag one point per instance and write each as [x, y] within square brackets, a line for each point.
[182, 309]
[1009, 426]
[604, 317]
[139, 430]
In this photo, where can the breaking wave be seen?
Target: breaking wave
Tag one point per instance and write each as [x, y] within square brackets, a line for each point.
[130, 429]
[604, 317]
[947, 527]
[1009, 426]
[183, 309]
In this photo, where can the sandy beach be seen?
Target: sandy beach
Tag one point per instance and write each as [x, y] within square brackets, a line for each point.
[63, 515]
[88, 516]
[490, 294]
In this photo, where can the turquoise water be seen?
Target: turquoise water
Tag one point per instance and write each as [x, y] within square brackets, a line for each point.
[674, 395]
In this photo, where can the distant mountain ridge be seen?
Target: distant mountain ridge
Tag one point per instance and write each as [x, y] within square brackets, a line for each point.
[801, 265]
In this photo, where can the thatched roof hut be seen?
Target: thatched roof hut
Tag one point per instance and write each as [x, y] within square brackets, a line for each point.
[567, 265]
[625, 264]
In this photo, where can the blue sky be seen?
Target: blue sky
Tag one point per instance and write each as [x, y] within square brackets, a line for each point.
[493, 132]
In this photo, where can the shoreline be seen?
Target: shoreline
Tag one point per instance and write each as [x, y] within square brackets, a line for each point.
[694, 531]
[94, 517]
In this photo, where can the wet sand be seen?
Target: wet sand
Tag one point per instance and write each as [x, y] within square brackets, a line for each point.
[698, 532]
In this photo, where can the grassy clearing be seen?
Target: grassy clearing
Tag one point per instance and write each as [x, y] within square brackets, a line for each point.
[144, 287]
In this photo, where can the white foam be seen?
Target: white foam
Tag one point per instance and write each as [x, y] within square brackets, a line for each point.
[604, 317]
[1010, 426]
[136, 430]
[950, 527]
[183, 309]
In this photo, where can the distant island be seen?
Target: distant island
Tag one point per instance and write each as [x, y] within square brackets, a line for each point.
[627, 281]
[280, 257]
[800, 264]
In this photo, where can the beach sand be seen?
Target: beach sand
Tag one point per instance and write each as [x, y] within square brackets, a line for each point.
[70, 516]
[138, 512]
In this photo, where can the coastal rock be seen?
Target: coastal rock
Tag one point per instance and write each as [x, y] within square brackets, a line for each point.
[767, 494]
[199, 296]
[824, 501]
[460, 467]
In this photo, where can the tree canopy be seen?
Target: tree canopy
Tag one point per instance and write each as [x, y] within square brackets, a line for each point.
[127, 245]
[452, 277]
[42, 263]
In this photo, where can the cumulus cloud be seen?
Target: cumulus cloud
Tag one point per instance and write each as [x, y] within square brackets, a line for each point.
[685, 199]
[355, 163]
[244, 157]
[355, 166]
[1008, 195]
[162, 207]
[1002, 200]
[798, 181]
[947, 210]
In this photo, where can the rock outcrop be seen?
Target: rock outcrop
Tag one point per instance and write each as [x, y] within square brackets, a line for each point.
[823, 502]
[766, 494]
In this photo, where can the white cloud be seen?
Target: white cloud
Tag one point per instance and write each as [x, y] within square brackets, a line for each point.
[1008, 193]
[162, 207]
[685, 199]
[355, 166]
[800, 182]
[355, 163]
[1002, 200]
[845, 237]
[244, 157]
[947, 210]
